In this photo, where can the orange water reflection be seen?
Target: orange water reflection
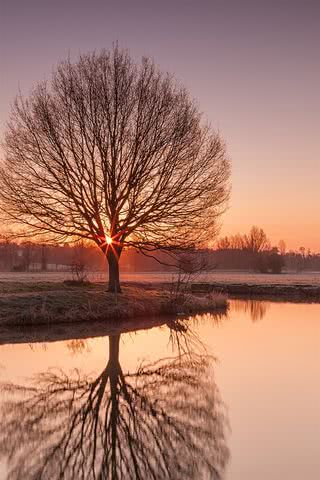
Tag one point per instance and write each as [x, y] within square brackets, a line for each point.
[267, 372]
[157, 419]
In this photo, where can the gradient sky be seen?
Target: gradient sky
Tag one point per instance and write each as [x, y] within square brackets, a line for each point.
[253, 66]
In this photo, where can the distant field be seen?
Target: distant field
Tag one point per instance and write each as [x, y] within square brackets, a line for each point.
[310, 278]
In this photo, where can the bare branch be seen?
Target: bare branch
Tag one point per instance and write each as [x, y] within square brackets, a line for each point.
[110, 148]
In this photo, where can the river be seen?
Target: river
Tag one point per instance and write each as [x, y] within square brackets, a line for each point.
[235, 397]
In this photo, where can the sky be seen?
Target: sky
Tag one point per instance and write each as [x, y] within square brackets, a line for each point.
[252, 66]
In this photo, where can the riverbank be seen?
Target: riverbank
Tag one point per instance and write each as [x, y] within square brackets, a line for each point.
[290, 292]
[45, 303]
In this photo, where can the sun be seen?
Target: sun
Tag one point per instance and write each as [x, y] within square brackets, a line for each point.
[108, 240]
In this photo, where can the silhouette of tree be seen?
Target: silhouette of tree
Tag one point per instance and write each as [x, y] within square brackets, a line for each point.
[275, 261]
[165, 421]
[224, 243]
[282, 247]
[113, 152]
[236, 242]
[256, 241]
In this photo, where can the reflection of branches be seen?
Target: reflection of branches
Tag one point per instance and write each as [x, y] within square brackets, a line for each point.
[183, 338]
[78, 345]
[165, 421]
[257, 309]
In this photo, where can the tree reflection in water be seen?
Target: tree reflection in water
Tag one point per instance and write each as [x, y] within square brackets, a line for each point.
[165, 421]
[257, 309]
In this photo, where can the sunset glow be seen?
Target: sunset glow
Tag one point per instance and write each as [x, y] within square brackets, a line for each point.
[159, 240]
[252, 66]
[108, 240]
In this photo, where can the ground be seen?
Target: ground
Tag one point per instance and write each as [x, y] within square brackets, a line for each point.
[49, 303]
[44, 298]
[306, 278]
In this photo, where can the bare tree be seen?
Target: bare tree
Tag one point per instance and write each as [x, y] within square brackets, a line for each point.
[114, 152]
[236, 242]
[224, 243]
[166, 420]
[282, 247]
[78, 265]
[257, 241]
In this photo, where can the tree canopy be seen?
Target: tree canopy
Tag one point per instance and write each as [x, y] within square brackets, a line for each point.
[114, 152]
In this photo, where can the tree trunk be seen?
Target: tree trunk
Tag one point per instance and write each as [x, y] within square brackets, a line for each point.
[114, 341]
[113, 257]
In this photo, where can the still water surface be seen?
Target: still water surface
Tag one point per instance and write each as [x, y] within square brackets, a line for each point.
[204, 398]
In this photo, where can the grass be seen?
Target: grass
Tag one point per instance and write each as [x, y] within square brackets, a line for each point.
[52, 303]
[220, 276]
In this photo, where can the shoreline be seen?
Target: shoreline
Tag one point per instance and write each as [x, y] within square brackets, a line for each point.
[280, 292]
[76, 331]
[23, 304]
[51, 311]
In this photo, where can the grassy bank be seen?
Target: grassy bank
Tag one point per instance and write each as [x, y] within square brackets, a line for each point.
[290, 292]
[53, 303]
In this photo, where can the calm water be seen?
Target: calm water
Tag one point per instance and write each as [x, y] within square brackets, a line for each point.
[188, 399]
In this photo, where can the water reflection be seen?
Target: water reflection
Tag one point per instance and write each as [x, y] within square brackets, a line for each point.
[78, 345]
[183, 338]
[257, 309]
[163, 421]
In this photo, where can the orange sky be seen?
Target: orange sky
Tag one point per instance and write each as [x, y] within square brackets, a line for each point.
[253, 67]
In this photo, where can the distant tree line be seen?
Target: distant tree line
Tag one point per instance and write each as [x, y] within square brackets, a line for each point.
[252, 251]
[32, 256]
[258, 252]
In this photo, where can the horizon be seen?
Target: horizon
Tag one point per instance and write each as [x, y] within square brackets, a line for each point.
[159, 239]
[253, 69]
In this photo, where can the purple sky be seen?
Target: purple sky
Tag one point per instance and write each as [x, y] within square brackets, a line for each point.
[253, 66]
